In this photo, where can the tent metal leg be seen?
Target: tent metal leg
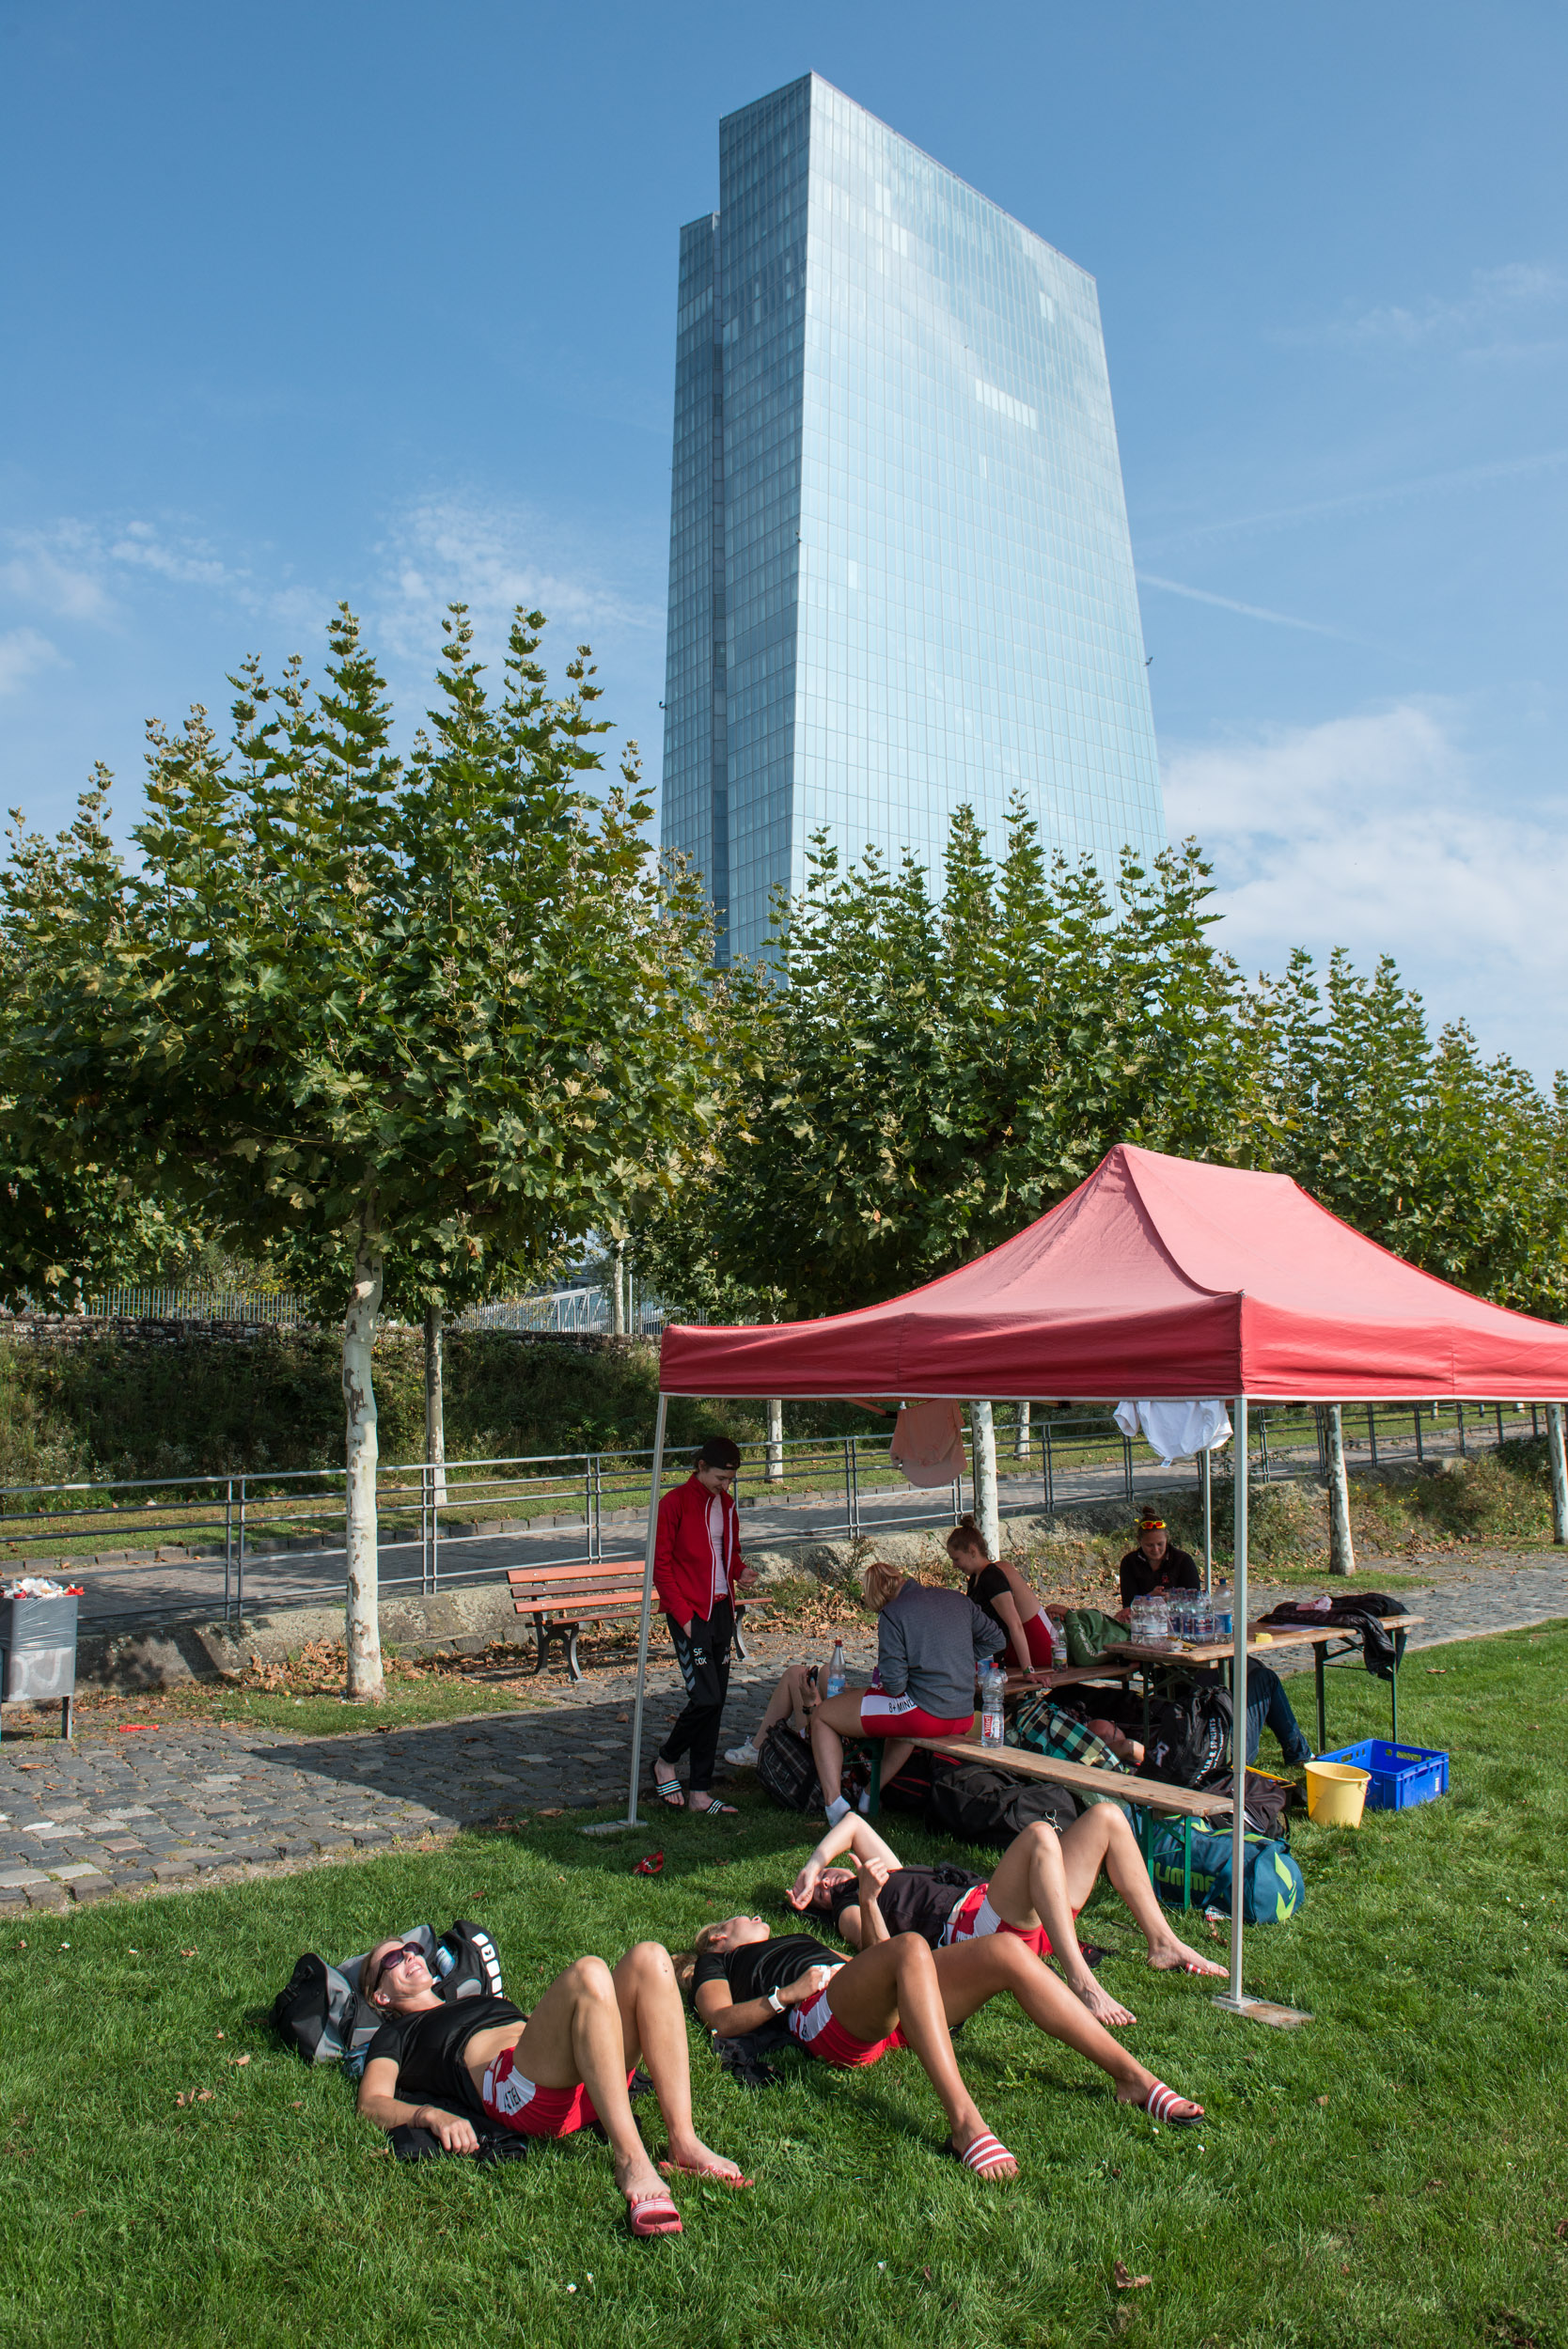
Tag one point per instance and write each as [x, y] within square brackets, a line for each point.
[1234, 1999]
[1208, 1525]
[1319, 1666]
[654, 1476]
[1393, 1704]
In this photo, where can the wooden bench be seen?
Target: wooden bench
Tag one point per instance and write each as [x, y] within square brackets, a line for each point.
[564, 1600]
[1149, 1794]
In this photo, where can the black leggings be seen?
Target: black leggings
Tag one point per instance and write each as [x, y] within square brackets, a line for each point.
[703, 1656]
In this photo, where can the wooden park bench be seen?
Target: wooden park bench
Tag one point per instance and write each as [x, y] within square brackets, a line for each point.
[565, 1600]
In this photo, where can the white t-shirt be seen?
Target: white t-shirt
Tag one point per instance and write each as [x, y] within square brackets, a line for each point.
[716, 1542]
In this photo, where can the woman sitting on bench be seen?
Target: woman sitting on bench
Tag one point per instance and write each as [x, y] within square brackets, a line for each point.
[1035, 1893]
[852, 2013]
[441, 2064]
[1000, 1591]
[846, 2015]
[928, 1642]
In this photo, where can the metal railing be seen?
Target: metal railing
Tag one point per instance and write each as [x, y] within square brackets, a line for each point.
[279, 1307]
[212, 1548]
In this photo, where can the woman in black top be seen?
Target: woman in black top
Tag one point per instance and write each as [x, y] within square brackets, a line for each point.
[438, 2064]
[1154, 1565]
[849, 2014]
[1000, 1591]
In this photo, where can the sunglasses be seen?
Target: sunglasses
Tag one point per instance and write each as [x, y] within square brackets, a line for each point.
[395, 1958]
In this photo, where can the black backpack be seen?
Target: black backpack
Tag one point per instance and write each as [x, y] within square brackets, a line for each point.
[1189, 1735]
[976, 1804]
[320, 2010]
[786, 1770]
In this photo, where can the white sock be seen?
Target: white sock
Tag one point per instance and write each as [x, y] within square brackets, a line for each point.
[838, 1809]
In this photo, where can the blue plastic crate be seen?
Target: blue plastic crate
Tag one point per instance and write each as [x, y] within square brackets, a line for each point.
[1402, 1776]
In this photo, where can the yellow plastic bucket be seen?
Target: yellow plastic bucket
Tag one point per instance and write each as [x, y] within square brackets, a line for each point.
[1336, 1793]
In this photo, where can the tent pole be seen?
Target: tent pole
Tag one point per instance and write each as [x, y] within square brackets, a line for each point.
[1235, 1997]
[1208, 1525]
[647, 1607]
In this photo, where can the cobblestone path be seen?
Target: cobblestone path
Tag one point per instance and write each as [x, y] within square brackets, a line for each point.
[210, 1804]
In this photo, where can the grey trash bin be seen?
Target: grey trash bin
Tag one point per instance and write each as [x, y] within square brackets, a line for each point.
[38, 1652]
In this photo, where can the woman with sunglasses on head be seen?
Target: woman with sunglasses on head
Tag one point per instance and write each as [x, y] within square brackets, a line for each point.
[441, 2065]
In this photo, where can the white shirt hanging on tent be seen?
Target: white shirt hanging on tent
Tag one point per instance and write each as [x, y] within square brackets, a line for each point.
[1176, 1430]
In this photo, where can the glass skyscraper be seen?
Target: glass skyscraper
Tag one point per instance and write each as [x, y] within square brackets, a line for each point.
[900, 577]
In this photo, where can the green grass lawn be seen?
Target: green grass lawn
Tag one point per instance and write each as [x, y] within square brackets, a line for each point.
[1394, 2172]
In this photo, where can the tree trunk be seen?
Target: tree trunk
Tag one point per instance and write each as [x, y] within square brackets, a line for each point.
[1555, 1453]
[1342, 1550]
[987, 1509]
[1021, 1446]
[617, 1288]
[775, 1440]
[359, 1395]
[435, 1403]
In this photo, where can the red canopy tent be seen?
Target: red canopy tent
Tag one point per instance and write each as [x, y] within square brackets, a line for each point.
[1157, 1276]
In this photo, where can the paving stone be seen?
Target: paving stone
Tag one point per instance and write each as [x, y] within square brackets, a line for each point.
[47, 1896]
[93, 1888]
[168, 1869]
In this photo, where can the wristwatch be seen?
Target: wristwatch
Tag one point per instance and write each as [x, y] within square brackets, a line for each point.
[776, 2002]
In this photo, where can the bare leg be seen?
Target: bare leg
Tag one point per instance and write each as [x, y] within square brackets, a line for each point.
[895, 1753]
[577, 2032]
[895, 1982]
[653, 2028]
[970, 1972]
[835, 1719]
[787, 1701]
[1032, 1886]
[1110, 1842]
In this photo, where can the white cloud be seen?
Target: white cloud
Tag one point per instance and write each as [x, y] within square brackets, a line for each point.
[58, 570]
[23, 654]
[449, 550]
[1376, 834]
[1496, 298]
[185, 562]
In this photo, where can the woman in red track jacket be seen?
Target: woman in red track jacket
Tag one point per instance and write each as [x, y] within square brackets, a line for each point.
[697, 1565]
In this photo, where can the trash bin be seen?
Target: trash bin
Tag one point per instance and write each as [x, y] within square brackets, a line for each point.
[38, 1652]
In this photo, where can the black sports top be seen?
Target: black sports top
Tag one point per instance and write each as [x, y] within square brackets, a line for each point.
[914, 1900]
[763, 1966]
[427, 2047]
[985, 1588]
[1176, 1570]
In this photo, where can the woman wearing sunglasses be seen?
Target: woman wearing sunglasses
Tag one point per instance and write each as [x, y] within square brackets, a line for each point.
[441, 2064]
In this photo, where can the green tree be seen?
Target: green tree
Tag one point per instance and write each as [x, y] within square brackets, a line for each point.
[400, 1027]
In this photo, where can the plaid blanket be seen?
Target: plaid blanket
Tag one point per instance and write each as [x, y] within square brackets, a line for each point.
[1043, 1728]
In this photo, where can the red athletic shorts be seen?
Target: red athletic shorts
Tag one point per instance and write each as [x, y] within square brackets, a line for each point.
[820, 2033]
[1037, 1631]
[974, 1918]
[882, 1716]
[516, 2102]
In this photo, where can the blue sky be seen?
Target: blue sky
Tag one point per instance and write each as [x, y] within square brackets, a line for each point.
[376, 303]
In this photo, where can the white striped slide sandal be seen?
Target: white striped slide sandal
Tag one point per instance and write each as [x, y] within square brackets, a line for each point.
[987, 2157]
[1161, 2103]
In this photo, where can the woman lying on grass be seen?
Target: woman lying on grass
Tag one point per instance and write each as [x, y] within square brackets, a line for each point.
[845, 2015]
[1035, 1893]
[985, 1957]
[435, 2065]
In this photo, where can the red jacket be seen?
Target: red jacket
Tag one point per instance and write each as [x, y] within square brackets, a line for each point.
[683, 1554]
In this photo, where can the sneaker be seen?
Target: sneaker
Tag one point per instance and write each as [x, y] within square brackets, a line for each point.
[743, 1757]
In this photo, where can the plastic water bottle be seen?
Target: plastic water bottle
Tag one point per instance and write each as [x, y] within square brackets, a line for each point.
[991, 1683]
[837, 1676]
[1159, 1621]
[1225, 1627]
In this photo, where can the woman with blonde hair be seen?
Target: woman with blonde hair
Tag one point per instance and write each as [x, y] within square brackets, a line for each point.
[929, 1643]
[1000, 1591]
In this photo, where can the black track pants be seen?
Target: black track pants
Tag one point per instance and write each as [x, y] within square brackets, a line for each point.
[703, 1656]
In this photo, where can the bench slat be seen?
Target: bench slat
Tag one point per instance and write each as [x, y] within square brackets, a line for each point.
[602, 1569]
[1150, 1792]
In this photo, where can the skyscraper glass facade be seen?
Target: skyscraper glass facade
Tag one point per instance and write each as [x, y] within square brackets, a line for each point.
[901, 576]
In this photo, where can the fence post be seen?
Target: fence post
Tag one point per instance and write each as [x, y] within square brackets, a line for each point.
[1263, 1438]
[1372, 1433]
[1127, 1465]
[1459, 1411]
[239, 1589]
[1050, 1481]
[1497, 1408]
[228, 1546]
[1420, 1455]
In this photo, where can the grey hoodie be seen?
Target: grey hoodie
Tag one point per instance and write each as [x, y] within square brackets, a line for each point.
[928, 1642]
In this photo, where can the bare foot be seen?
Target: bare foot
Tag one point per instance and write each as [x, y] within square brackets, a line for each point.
[1171, 1956]
[689, 2154]
[637, 2177]
[1099, 2003]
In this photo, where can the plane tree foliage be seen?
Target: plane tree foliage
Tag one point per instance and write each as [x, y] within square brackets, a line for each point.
[405, 1025]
